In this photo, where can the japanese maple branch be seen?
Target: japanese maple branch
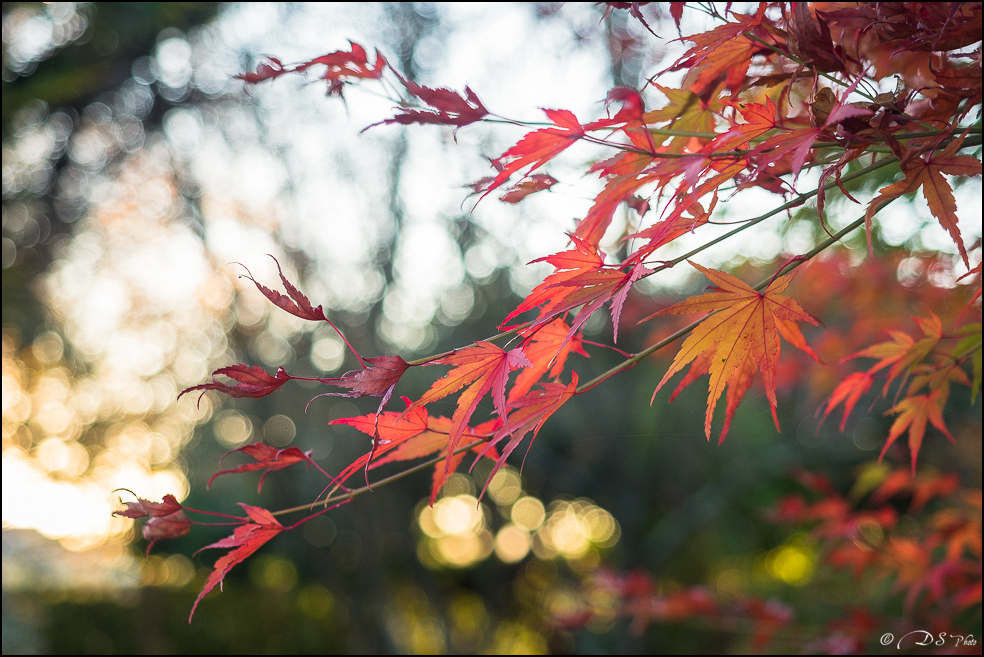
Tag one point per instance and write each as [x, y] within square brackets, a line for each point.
[799, 200]
[785, 269]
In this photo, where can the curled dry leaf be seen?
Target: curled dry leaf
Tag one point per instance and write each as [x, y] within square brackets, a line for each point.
[252, 382]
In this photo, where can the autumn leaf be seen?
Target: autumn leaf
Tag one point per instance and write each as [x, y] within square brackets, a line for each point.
[529, 413]
[848, 391]
[535, 183]
[379, 379]
[686, 112]
[683, 221]
[340, 66]
[253, 382]
[742, 331]
[618, 189]
[724, 52]
[794, 145]
[482, 367]
[926, 172]
[268, 459]
[267, 70]
[297, 304]
[547, 348]
[166, 519]
[145, 508]
[902, 351]
[407, 438]
[538, 147]
[434, 441]
[922, 488]
[161, 527]
[246, 539]
[387, 430]
[447, 107]
[581, 280]
[913, 414]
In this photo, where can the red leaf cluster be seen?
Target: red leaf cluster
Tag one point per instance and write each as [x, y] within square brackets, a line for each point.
[340, 67]
[166, 519]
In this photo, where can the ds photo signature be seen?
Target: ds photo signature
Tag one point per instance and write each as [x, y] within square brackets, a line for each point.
[924, 638]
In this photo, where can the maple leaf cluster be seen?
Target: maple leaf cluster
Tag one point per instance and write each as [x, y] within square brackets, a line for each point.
[766, 97]
[938, 567]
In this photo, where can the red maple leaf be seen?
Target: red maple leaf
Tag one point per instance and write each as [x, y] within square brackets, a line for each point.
[387, 431]
[538, 147]
[449, 107]
[547, 348]
[145, 508]
[269, 69]
[169, 526]
[535, 183]
[379, 380]
[297, 304]
[340, 66]
[166, 519]
[529, 413]
[581, 280]
[484, 368]
[268, 459]
[253, 382]
[246, 539]
[404, 437]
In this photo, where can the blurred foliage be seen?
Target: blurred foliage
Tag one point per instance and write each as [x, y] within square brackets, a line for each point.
[115, 35]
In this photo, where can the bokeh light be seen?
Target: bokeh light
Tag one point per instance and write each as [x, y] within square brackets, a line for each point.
[457, 531]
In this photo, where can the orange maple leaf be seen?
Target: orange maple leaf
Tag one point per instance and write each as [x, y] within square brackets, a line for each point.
[848, 391]
[547, 348]
[724, 52]
[482, 367]
[742, 336]
[927, 173]
[913, 414]
[903, 351]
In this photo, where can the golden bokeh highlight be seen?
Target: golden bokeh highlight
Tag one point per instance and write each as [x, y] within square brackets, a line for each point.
[505, 487]
[791, 562]
[457, 531]
[572, 529]
[512, 543]
[528, 513]
[413, 625]
[316, 602]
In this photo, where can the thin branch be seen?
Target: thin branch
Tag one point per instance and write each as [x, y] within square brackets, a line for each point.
[785, 269]
[355, 492]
